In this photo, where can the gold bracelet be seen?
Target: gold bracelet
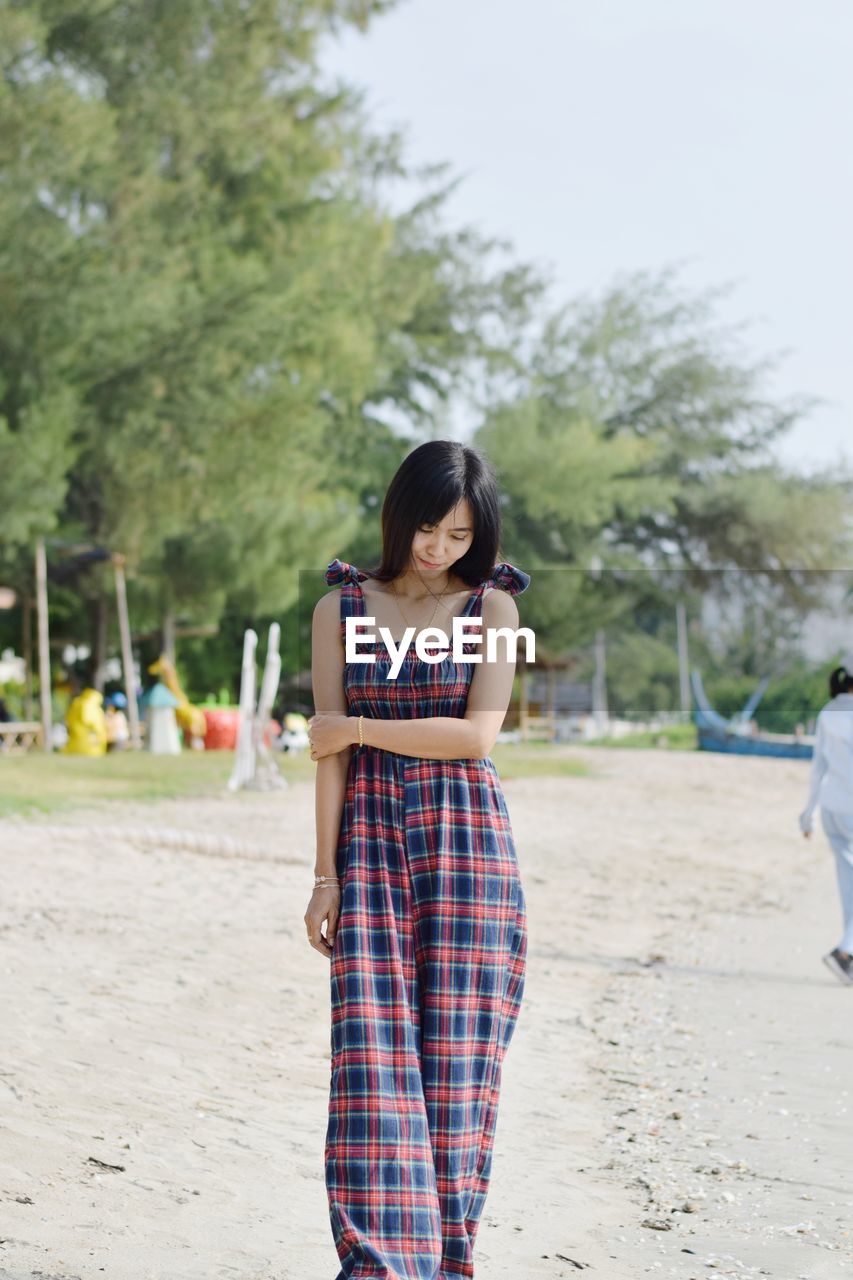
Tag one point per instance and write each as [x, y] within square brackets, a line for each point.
[360, 731]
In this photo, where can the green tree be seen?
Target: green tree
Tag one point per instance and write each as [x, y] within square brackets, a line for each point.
[54, 142]
[638, 434]
[254, 320]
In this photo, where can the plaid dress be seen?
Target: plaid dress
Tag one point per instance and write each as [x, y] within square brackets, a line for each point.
[427, 974]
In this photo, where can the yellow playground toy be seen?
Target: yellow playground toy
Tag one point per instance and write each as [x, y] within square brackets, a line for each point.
[86, 724]
[188, 717]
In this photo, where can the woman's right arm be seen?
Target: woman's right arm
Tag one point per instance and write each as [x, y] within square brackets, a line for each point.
[327, 681]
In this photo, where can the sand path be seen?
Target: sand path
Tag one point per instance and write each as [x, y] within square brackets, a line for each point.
[676, 1101]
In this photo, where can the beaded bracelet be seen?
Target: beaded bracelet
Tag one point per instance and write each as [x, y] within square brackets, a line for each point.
[360, 731]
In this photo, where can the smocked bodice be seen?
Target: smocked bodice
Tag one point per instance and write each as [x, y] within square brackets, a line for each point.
[421, 688]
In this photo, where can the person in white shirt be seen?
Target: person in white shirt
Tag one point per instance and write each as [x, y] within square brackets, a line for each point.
[831, 788]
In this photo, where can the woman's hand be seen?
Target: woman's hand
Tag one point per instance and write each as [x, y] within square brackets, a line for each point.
[325, 905]
[328, 735]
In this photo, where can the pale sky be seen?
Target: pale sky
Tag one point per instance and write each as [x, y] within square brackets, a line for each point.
[615, 135]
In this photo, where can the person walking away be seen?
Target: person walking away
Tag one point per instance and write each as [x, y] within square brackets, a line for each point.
[831, 788]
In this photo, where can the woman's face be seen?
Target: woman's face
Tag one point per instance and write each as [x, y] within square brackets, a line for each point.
[436, 548]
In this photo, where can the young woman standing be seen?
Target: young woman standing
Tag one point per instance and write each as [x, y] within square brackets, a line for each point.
[832, 788]
[417, 879]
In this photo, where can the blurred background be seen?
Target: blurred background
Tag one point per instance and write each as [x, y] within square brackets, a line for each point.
[251, 252]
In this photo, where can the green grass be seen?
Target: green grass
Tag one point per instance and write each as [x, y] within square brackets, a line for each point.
[537, 760]
[39, 784]
[676, 737]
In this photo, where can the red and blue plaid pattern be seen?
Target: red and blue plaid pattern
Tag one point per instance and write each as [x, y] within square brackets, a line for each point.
[427, 976]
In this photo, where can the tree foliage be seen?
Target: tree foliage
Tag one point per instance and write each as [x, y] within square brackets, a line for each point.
[239, 320]
[218, 341]
[638, 436]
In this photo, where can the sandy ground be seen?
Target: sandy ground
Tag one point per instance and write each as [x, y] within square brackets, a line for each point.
[676, 1101]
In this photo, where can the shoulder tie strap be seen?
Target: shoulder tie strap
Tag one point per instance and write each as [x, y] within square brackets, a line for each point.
[340, 571]
[508, 578]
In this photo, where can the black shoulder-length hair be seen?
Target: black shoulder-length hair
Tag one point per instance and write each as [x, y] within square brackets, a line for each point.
[840, 681]
[426, 486]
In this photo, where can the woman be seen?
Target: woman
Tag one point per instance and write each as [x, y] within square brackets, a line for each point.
[832, 788]
[417, 877]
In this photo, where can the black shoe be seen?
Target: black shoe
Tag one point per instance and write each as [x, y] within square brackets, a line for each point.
[840, 964]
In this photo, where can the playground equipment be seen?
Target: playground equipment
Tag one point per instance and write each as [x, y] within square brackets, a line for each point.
[87, 725]
[294, 733]
[189, 717]
[254, 766]
[161, 708]
[80, 554]
[738, 736]
[118, 732]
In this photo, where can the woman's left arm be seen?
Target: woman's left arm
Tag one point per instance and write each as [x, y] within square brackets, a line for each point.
[818, 769]
[471, 736]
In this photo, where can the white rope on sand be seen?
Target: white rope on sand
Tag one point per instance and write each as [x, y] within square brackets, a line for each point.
[211, 846]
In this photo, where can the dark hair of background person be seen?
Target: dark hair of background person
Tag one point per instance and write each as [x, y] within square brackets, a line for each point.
[840, 681]
[428, 484]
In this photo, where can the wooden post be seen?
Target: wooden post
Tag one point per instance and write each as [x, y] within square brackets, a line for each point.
[126, 652]
[44, 648]
[523, 702]
[683, 660]
[168, 640]
[99, 662]
[552, 703]
[27, 647]
[599, 686]
[599, 679]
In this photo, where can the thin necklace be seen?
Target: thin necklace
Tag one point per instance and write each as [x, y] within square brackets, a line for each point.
[438, 600]
[429, 588]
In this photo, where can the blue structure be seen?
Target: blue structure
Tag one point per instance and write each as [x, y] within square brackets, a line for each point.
[735, 736]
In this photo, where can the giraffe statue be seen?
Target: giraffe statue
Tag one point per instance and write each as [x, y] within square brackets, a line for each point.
[188, 717]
